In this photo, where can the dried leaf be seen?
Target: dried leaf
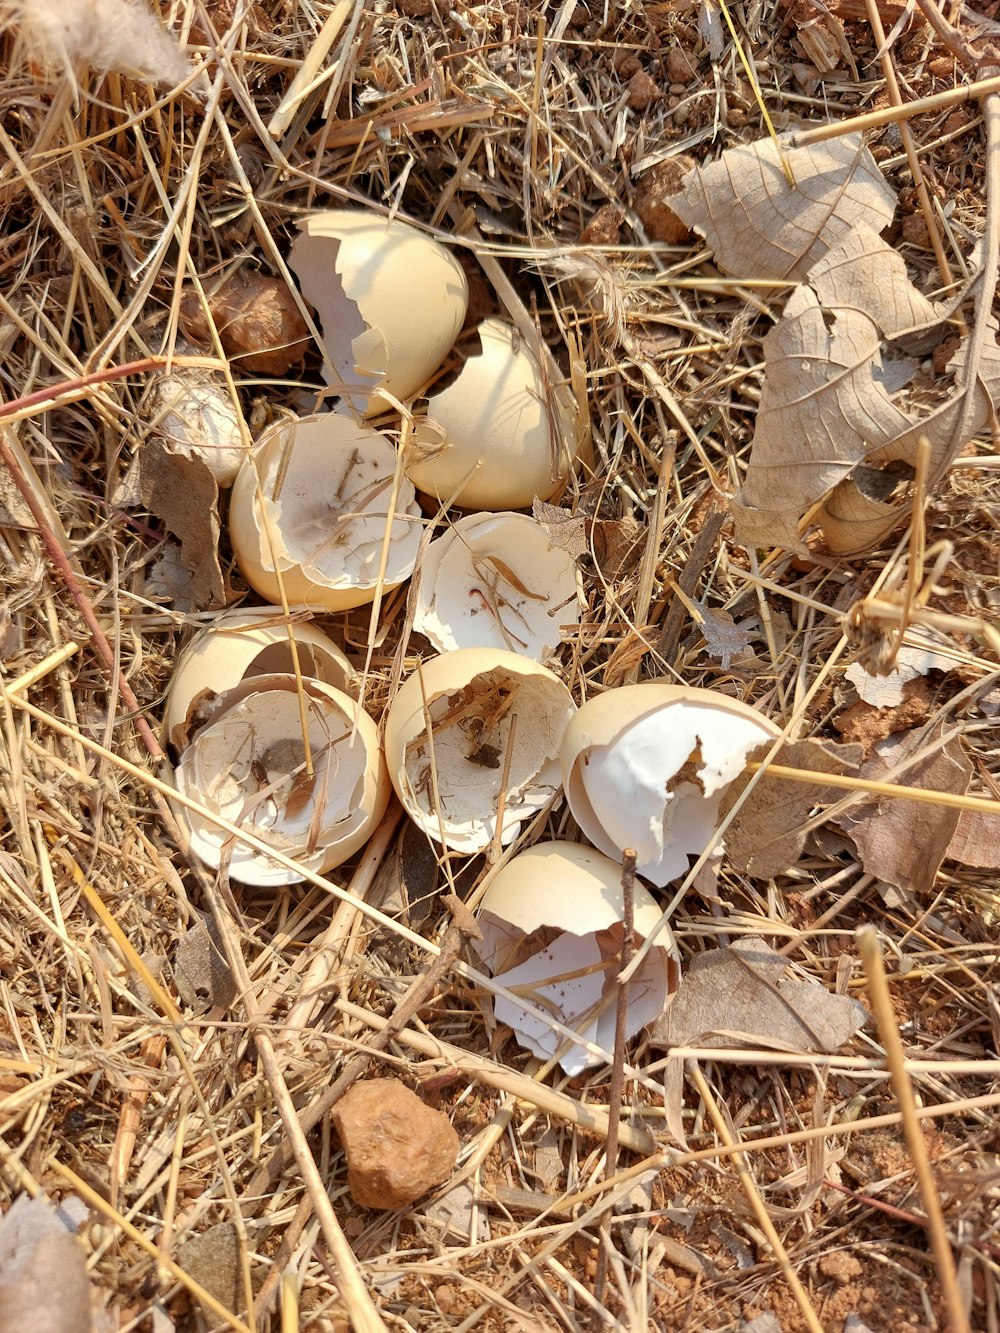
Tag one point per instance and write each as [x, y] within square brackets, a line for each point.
[832, 425]
[203, 978]
[976, 841]
[182, 492]
[737, 996]
[257, 320]
[617, 545]
[912, 660]
[821, 410]
[760, 226]
[766, 836]
[566, 530]
[43, 1270]
[724, 638]
[900, 841]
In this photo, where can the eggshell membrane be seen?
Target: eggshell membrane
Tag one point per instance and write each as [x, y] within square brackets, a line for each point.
[600, 725]
[390, 300]
[354, 772]
[239, 644]
[461, 688]
[565, 887]
[501, 447]
[319, 522]
[466, 600]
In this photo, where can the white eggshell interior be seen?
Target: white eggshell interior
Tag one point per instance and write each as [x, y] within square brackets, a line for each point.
[657, 786]
[326, 524]
[499, 435]
[473, 697]
[495, 580]
[576, 891]
[248, 765]
[390, 301]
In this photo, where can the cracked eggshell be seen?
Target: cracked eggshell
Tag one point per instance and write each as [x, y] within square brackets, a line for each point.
[328, 523]
[196, 417]
[495, 580]
[498, 435]
[473, 696]
[248, 765]
[390, 301]
[238, 645]
[645, 766]
[551, 922]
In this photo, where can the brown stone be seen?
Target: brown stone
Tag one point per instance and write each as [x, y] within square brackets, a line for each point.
[652, 191]
[681, 65]
[257, 320]
[397, 1148]
[641, 91]
[604, 228]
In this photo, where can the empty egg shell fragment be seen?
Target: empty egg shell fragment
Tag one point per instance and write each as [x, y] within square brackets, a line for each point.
[237, 646]
[493, 715]
[498, 436]
[552, 930]
[390, 301]
[324, 515]
[496, 580]
[249, 766]
[645, 767]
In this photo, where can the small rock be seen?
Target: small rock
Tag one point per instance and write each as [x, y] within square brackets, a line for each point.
[257, 320]
[642, 91]
[397, 1148]
[604, 228]
[652, 191]
[681, 65]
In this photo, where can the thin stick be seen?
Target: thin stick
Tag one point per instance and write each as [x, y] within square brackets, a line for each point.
[881, 1002]
[950, 799]
[873, 120]
[617, 1084]
[756, 1202]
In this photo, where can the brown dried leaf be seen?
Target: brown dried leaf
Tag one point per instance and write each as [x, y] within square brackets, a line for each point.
[976, 841]
[203, 978]
[617, 545]
[566, 530]
[182, 492]
[736, 996]
[43, 1268]
[759, 226]
[257, 319]
[821, 410]
[831, 423]
[766, 837]
[904, 842]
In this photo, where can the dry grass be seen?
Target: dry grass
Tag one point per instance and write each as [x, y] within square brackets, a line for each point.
[505, 131]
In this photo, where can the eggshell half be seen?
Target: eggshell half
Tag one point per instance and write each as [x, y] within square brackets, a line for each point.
[327, 524]
[248, 765]
[390, 300]
[499, 435]
[645, 766]
[573, 890]
[473, 696]
[495, 580]
[240, 644]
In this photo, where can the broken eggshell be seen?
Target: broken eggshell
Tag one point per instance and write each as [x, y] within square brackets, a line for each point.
[248, 765]
[497, 580]
[552, 930]
[390, 301]
[645, 767]
[327, 524]
[499, 436]
[483, 703]
[194, 413]
[236, 646]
